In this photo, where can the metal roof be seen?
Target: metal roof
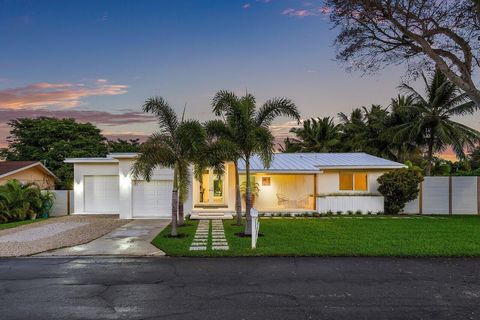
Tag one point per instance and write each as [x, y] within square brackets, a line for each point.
[314, 162]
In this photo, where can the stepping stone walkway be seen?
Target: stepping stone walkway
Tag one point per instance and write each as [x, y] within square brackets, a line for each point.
[219, 242]
[200, 240]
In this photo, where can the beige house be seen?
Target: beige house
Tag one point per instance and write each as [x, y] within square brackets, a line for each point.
[296, 182]
[27, 172]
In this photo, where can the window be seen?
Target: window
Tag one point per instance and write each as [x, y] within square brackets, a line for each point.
[266, 181]
[353, 181]
[346, 181]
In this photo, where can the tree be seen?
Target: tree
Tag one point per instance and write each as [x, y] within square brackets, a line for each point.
[367, 130]
[222, 142]
[316, 135]
[251, 130]
[432, 121]
[475, 158]
[50, 141]
[420, 33]
[398, 187]
[121, 145]
[176, 144]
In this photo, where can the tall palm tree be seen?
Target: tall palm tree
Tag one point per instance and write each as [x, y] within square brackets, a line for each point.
[223, 147]
[404, 150]
[250, 127]
[316, 135]
[176, 144]
[432, 118]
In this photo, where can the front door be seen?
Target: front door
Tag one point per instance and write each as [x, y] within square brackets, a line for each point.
[211, 189]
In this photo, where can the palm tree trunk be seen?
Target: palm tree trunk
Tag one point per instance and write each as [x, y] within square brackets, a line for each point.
[248, 200]
[428, 169]
[174, 233]
[238, 197]
[181, 217]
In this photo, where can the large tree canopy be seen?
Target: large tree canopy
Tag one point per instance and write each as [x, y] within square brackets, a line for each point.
[421, 33]
[51, 140]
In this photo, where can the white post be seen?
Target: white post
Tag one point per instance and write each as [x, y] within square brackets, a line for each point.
[255, 226]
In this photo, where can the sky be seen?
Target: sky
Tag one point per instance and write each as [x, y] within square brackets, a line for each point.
[98, 61]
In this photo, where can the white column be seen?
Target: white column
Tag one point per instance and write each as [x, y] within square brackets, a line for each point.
[125, 181]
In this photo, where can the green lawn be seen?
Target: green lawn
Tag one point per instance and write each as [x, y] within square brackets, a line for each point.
[343, 236]
[18, 223]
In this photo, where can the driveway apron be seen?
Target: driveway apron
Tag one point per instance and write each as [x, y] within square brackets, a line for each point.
[132, 239]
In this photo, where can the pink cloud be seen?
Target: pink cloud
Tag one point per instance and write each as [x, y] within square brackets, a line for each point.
[97, 117]
[65, 95]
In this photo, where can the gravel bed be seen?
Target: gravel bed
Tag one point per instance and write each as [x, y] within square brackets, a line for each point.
[56, 233]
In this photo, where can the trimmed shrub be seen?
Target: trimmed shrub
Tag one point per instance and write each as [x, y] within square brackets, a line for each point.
[398, 187]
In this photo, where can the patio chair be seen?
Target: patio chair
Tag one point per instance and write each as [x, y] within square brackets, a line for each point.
[282, 200]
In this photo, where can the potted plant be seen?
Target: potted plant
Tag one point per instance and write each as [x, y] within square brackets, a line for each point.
[32, 215]
[47, 199]
[254, 186]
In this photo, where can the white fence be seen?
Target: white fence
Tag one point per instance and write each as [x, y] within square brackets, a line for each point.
[365, 204]
[447, 195]
[63, 203]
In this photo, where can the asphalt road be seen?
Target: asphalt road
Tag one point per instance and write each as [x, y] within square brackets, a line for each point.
[239, 288]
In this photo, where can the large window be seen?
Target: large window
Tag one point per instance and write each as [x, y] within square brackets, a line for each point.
[353, 181]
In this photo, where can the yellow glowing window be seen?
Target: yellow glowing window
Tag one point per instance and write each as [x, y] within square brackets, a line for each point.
[346, 181]
[353, 181]
[361, 182]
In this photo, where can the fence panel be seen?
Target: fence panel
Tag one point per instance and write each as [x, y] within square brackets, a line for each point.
[435, 198]
[464, 195]
[412, 207]
[61, 203]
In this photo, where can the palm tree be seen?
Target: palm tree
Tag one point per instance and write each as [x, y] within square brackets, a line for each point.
[432, 118]
[316, 135]
[223, 147]
[176, 144]
[365, 131]
[250, 128]
[404, 150]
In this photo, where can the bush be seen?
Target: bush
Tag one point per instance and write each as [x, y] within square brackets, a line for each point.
[398, 187]
[19, 201]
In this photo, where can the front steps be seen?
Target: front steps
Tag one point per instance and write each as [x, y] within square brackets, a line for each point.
[213, 215]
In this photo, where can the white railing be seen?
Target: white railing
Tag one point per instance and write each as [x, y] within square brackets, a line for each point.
[255, 226]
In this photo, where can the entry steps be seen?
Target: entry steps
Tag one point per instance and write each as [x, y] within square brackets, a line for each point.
[211, 215]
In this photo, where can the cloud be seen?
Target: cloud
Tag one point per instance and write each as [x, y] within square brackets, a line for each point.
[247, 6]
[64, 95]
[307, 12]
[97, 117]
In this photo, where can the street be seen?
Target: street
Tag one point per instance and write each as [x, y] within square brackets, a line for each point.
[239, 288]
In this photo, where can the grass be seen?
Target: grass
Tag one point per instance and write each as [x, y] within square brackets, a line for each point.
[343, 236]
[14, 224]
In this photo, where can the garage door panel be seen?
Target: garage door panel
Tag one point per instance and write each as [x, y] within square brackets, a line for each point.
[101, 194]
[152, 199]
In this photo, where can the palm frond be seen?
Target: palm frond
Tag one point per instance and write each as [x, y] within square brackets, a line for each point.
[166, 116]
[274, 108]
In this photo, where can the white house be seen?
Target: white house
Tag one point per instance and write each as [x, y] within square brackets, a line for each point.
[295, 182]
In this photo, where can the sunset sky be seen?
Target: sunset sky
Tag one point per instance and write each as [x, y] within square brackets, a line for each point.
[97, 61]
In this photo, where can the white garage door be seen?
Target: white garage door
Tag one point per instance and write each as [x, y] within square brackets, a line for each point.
[152, 199]
[101, 194]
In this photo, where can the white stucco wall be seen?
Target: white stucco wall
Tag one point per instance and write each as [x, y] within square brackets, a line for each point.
[122, 169]
[328, 182]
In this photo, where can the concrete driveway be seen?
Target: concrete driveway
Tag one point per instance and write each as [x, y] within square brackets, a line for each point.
[56, 233]
[131, 239]
[239, 288]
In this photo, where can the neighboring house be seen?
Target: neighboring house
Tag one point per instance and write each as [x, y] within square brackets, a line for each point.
[295, 182]
[27, 172]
